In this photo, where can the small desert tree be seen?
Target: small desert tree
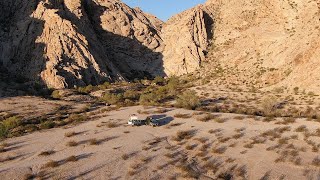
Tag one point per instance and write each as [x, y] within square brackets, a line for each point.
[188, 100]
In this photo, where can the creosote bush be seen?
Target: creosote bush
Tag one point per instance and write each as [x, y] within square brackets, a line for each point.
[8, 124]
[188, 100]
[56, 94]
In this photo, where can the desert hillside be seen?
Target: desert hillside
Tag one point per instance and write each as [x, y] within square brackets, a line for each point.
[266, 43]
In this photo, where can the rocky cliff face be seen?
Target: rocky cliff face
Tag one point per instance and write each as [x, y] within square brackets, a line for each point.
[66, 43]
[72, 42]
[186, 37]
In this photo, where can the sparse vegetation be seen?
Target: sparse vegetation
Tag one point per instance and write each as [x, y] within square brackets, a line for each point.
[46, 153]
[188, 100]
[70, 134]
[206, 118]
[51, 164]
[71, 159]
[183, 116]
[72, 143]
[181, 135]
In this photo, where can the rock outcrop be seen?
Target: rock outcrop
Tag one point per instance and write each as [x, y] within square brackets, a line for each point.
[186, 37]
[75, 43]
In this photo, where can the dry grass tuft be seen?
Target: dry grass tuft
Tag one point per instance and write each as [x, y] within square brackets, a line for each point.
[112, 125]
[94, 141]
[51, 164]
[72, 143]
[206, 118]
[182, 135]
[183, 116]
[70, 134]
[219, 150]
[71, 159]
[125, 156]
[316, 161]
[46, 153]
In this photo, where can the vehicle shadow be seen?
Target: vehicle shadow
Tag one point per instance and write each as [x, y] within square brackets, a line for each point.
[162, 119]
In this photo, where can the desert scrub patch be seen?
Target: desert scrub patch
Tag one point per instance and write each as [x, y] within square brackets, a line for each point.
[48, 124]
[302, 128]
[76, 118]
[316, 161]
[125, 156]
[188, 100]
[206, 118]
[71, 159]
[51, 164]
[93, 141]
[72, 143]
[219, 150]
[70, 134]
[9, 124]
[47, 153]
[182, 135]
[112, 125]
[183, 116]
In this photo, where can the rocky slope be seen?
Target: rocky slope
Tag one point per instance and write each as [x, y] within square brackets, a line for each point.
[267, 43]
[186, 37]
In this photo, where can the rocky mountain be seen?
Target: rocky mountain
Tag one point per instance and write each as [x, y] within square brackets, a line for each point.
[66, 43]
[266, 43]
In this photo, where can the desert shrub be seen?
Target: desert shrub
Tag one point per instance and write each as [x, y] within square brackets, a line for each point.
[103, 86]
[154, 97]
[316, 161]
[76, 118]
[132, 95]
[70, 134]
[184, 116]
[87, 89]
[206, 118]
[93, 142]
[47, 124]
[125, 156]
[51, 164]
[11, 122]
[181, 135]
[188, 100]
[302, 128]
[72, 143]
[269, 105]
[173, 84]
[71, 159]
[219, 150]
[148, 99]
[46, 153]
[159, 80]
[3, 131]
[56, 94]
[112, 98]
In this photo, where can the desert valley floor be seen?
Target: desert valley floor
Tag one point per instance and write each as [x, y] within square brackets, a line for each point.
[192, 145]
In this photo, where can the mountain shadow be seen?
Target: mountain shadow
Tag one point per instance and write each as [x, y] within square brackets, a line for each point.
[23, 59]
[128, 56]
[19, 49]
